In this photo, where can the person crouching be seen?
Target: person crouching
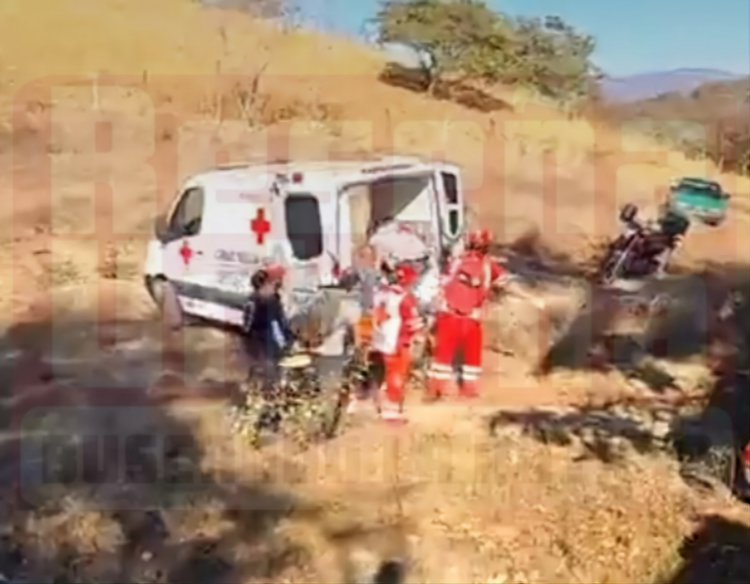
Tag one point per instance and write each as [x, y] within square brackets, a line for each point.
[396, 321]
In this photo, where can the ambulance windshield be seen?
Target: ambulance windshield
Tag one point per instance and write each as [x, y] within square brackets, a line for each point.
[303, 226]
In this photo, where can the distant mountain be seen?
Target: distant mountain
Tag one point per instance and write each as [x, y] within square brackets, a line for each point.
[712, 120]
[650, 85]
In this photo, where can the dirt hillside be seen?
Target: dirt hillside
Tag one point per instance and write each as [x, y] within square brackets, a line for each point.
[105, 106]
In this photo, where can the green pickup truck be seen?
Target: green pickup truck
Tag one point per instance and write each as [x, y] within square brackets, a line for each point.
[700, 199]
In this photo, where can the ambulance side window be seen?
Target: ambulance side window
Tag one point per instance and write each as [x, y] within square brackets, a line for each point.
[454, 222]
[303, 226]
[450, 186]
[188, 215]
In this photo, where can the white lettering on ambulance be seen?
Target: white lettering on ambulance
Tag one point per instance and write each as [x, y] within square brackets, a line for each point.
[233, 256]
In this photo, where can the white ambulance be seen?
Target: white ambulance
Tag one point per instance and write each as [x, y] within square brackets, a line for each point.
[228, 222]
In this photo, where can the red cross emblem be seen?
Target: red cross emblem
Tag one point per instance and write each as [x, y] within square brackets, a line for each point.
[186, 252]
[260, 226]
[380, 314]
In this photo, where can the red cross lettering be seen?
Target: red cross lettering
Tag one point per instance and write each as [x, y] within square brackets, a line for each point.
[186, 252]
[260, 226]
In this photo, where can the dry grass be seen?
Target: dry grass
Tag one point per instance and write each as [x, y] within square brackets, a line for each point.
[73, 522]
[443, 495]
[458, 507]
[296, 76]
[135, 37]
[524, 511]
[462, 506]
[321, 96]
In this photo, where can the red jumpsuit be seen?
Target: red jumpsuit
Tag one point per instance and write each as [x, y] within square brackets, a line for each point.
[458, 333]
[396, 320]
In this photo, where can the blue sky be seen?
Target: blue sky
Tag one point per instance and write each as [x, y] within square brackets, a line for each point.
[633, 36]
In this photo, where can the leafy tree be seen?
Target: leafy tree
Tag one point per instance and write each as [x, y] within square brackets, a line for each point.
[464, 37]
[554, 57]
[469, 40]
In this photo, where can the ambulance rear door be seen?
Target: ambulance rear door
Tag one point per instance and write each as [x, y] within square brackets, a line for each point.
[309, 222]
[450, 204]
[409, 196]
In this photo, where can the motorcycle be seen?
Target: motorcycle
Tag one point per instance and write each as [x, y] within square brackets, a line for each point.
[642, 250]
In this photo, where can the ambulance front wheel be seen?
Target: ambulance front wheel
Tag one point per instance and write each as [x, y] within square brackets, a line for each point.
[164, 294]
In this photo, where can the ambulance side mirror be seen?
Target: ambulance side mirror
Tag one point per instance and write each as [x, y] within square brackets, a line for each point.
[161, 228]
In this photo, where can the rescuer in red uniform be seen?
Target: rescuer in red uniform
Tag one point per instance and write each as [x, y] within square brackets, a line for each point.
[458, 329]
[396, 321]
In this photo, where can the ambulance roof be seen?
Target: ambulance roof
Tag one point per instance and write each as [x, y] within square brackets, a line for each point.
[249, 176]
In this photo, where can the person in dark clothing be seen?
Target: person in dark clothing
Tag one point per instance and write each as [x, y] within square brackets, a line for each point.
[267, 333]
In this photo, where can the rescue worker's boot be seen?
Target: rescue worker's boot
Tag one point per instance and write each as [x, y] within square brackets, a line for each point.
[468, 390]
[440, 381]
[393, 413]
[436, 390]
[396, 373]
